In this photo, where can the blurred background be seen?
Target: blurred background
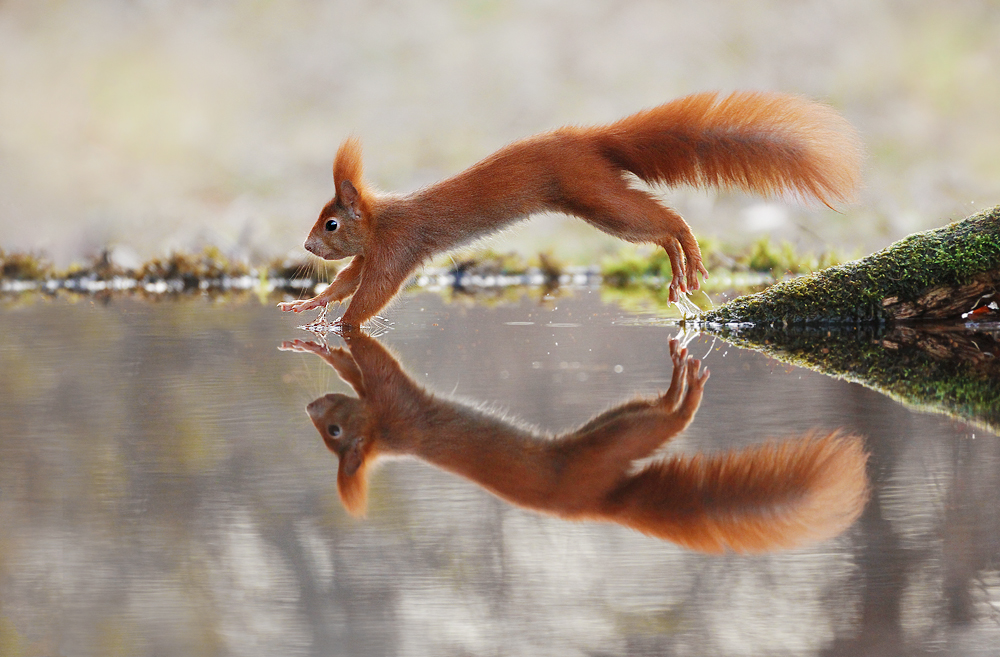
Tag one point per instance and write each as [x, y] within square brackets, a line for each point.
[148, 126]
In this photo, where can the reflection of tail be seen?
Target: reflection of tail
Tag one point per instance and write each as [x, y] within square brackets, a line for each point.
[768, 497]
[761, 498]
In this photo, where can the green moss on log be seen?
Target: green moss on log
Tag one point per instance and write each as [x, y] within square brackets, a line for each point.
[928, 274]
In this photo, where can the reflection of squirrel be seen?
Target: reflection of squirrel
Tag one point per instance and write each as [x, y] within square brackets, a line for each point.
[757, 142]
[775, 495]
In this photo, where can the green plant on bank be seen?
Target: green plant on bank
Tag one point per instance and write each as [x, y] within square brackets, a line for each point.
[623, 270]
[782, 259]
[646, 298]
[488, 262]
[24, 267]
[287, 269]
[210, 264]
[763, 256]
[550, 266]
[633, 267]
[634, 273]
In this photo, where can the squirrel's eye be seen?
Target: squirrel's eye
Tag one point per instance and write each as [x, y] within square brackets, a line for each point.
[333, 430]
[332, 225]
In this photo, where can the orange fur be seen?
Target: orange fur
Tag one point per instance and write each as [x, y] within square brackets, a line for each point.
[775, 495]
[764, 143]
[767, 144]
[771, 496]
[347, 164]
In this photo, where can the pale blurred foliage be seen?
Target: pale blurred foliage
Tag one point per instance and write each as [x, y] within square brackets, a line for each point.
[157, 125]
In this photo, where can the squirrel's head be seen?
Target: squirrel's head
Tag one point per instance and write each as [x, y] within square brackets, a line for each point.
[344, 223]
[342, 422]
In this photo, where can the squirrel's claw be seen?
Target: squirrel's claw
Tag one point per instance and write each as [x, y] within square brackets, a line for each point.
[301, 305]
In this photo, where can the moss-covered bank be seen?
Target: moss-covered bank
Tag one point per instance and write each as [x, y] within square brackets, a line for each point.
[936, 274]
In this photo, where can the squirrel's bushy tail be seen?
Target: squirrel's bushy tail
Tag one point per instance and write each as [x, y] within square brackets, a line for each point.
[765, 143]
[770, 496]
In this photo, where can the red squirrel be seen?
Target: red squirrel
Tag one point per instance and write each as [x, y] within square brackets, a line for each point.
[771, 496]
[766, 143]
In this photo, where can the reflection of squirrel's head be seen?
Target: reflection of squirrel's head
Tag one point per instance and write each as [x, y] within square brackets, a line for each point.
[342, 421]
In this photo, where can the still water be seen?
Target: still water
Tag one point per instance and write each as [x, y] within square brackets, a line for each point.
[163, 492]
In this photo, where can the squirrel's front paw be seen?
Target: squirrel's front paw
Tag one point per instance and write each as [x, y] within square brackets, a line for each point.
[302, 304]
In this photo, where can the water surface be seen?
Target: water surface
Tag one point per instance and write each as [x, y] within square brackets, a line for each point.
[162, 491]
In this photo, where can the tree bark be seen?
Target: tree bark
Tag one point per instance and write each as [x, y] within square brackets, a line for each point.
[934, 275]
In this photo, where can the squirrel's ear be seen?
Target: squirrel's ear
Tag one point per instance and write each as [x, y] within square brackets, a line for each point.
[350, 197]
[352, 458]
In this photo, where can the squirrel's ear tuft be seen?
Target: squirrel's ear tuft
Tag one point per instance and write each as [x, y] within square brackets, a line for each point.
[347, 165]
[351, 190]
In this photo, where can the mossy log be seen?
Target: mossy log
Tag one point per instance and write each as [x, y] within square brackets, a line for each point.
[937, 274]
[952, 369]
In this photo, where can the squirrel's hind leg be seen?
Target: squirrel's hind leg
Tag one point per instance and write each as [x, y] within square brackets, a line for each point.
[635, 216]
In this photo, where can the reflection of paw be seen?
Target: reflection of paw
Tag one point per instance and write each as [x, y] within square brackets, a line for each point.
[679, 359]
[305, 347]
[672, 397]
[344, 329]
[687, 383]
[696, 377]
[340, 356]
[677, 352]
